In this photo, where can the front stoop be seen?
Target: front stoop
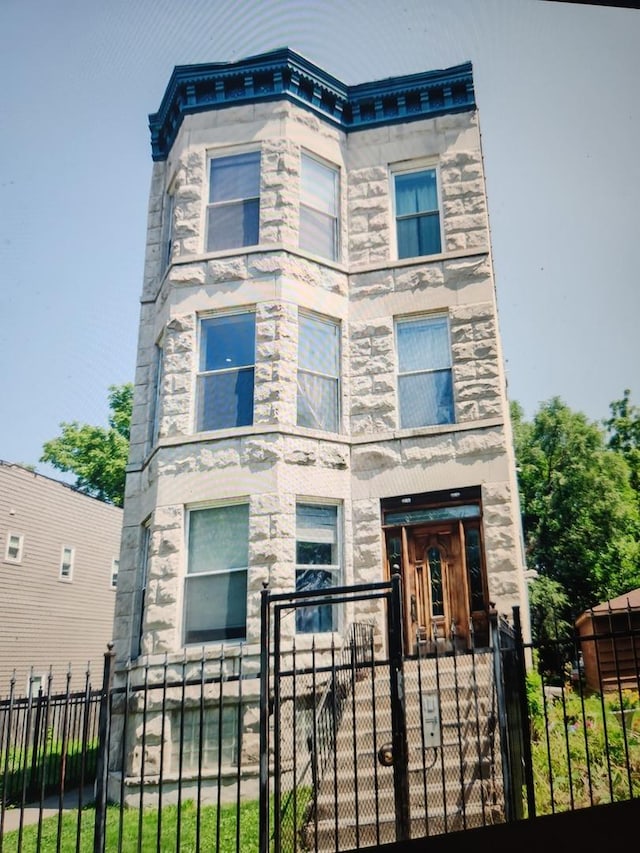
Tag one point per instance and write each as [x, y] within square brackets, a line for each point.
[453, 786]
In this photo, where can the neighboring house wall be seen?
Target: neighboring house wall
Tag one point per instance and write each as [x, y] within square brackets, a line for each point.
[57, 553]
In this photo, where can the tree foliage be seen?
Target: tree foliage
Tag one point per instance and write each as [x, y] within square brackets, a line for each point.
[96, 455]
[623, 429]
[579, 513]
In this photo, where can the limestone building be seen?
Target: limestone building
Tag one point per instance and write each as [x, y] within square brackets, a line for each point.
[319, 392]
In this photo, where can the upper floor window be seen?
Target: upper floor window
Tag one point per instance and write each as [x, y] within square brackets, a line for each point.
[155, 395]
[425, 386]
[417, 213]
[15, 542]
[318, 208]
[225, 378]
[317, 564]
[66, 563]
[318, 373]
[167, 229]
[233, 211]
[216, 581]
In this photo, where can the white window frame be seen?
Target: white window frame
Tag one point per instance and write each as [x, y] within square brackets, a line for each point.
[305, 203]
[416, 318]
[11, 535]
[337, 569]
[244, 501]
[115, 569]
[66, 575]
[202, 374]
[212, 156]
[411, 168]
[328, 321]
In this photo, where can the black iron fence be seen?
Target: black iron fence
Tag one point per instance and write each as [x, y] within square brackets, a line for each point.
[174, 754]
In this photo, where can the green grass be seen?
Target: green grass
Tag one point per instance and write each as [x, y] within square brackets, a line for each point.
[140, 831]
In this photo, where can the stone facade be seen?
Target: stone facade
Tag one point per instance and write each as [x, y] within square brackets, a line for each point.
[273, 462]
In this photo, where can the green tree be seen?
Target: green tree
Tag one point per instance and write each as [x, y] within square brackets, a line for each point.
[623, 429]
[579, 513]
[96, 455]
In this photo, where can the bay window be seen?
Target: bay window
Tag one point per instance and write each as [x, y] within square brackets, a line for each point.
[318, 373]
[233, 210]
[226, 371]
[317, 564]
[318, 208]
[216, 580]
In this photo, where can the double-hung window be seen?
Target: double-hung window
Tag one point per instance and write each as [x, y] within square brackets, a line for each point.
[115, 568]
[318, 373]
[417, 213]
[13, 554]
[216, 580]
[318, 208]
[155, 395]
[66, 563]
[425, 386]
[233, 211]
[167, 229]
[226, 374]
[317, 564]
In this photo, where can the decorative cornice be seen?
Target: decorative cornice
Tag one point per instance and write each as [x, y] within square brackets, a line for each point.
[284, 74]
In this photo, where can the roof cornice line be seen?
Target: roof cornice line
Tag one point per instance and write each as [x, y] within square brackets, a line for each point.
[282, 73]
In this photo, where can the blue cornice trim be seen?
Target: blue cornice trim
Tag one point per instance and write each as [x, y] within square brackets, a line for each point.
[284, 74]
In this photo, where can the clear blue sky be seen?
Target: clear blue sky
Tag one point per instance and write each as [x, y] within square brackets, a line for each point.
[557, 89]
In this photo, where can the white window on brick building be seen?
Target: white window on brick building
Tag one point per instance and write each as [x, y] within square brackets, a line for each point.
[417, 213]
[66, 563]
[317, 564]
[425, 385]
[15, 543]
[226, 371]
[318, 373]
[319, 199]
[216, 581]
[233, 210]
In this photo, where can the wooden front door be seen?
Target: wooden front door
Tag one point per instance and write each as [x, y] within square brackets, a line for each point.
[436, 581]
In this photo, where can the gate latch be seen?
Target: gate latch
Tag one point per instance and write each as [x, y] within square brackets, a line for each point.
[430, 718]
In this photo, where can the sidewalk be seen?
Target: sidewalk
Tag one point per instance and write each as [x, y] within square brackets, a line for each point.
[50, 807]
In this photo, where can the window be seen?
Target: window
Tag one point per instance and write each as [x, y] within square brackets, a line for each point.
[317, 564]
[15, 542]
[233, 212]
[145, 547]
[187, 751]
[318, 208]
[225, 380]
[216, 582]
[167, 229]
[318, 373]
[417, 214]
[425, 387]
[115, 567]
[155, 395]
[66, 564]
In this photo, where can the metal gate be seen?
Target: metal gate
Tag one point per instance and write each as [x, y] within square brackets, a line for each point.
[333, 740]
